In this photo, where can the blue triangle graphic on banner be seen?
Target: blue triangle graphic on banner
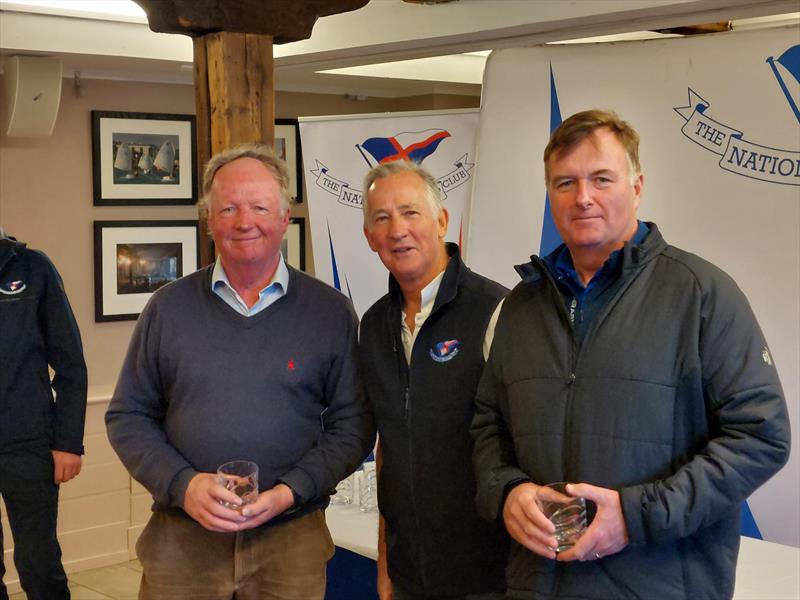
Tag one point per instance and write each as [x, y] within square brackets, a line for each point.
[550, 237]
[336, 283]
[749, 526]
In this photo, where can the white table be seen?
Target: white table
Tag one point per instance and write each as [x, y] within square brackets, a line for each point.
[353, 530]
[766, 571]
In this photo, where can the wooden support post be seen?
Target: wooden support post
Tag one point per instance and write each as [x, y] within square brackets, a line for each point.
[202, 110]
[234, 97]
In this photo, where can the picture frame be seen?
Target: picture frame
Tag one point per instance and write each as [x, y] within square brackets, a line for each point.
[293, 246]
[141, 159]
[287, 147]
[132, 259]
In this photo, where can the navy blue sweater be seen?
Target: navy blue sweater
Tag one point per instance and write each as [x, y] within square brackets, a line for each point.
[202, 385]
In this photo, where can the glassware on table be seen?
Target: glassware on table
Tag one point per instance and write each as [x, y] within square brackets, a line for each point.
[240, 477]
[344, 492]
[368, 488]
[567, 513]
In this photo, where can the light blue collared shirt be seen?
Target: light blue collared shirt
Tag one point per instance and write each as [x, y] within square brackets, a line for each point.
[273, 291]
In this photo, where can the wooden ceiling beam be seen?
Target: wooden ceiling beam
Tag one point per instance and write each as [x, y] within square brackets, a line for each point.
[284, 20]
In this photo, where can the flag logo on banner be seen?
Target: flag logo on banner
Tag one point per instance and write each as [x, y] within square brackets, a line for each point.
[409, 145]
[335, 152]
[790, 61]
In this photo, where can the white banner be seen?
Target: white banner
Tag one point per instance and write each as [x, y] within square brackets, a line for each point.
[338, 152]
[720, 151]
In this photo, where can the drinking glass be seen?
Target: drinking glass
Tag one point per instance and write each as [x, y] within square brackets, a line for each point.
[567, 513]
[368, 488]
[240, 477]
[344, 492]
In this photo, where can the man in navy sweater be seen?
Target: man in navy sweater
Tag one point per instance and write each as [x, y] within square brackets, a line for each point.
[422, 352]
[245, 359]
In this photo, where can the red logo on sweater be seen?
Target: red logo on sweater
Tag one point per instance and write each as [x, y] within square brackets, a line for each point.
[290, 366]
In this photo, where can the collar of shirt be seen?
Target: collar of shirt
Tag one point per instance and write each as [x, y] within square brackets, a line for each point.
[426, 306]
[274, 290]
[561, 265]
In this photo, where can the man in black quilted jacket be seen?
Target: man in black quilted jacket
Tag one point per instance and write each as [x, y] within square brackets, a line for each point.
[638, 373]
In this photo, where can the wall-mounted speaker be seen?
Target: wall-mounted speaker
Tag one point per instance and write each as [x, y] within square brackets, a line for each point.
[32, 94]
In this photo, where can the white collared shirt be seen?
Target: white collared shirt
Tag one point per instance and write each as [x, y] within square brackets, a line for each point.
[274, 290]
[429, 294]
[427, 300]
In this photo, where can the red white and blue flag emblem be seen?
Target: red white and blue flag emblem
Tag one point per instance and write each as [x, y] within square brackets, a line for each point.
[12, 287]
[409, 145]
[444, 351]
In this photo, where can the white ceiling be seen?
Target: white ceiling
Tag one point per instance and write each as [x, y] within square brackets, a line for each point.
[387, 48]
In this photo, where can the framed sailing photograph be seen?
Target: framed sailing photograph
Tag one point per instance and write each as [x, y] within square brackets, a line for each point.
[293, 245]
[133, 259]
[143, 159]
[287, 147]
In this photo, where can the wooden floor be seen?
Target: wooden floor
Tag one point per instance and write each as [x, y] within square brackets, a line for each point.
[116, 582]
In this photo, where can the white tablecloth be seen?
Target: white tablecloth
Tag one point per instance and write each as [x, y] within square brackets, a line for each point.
[766, 571]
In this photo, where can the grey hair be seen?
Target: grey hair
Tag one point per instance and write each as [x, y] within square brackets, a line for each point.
[433, 196]
[262, 153]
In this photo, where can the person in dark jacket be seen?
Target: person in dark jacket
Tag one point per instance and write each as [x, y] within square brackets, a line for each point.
[246, 359]
[422, 352]
[638, 373]
[41, 437]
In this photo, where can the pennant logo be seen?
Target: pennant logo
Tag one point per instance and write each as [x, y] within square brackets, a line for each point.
[383, 147]
[415, 146]
[788, 63]
[12, 287]
[444, 351]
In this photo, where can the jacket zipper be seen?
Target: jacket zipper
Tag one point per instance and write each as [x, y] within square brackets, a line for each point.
[405, 368]
[576, 352]
[407, 410]
[572, 362]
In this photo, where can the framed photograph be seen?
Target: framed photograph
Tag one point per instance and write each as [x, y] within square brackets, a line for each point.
[287, 146]
[293, 246]
[143, 159]
[132, 259]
